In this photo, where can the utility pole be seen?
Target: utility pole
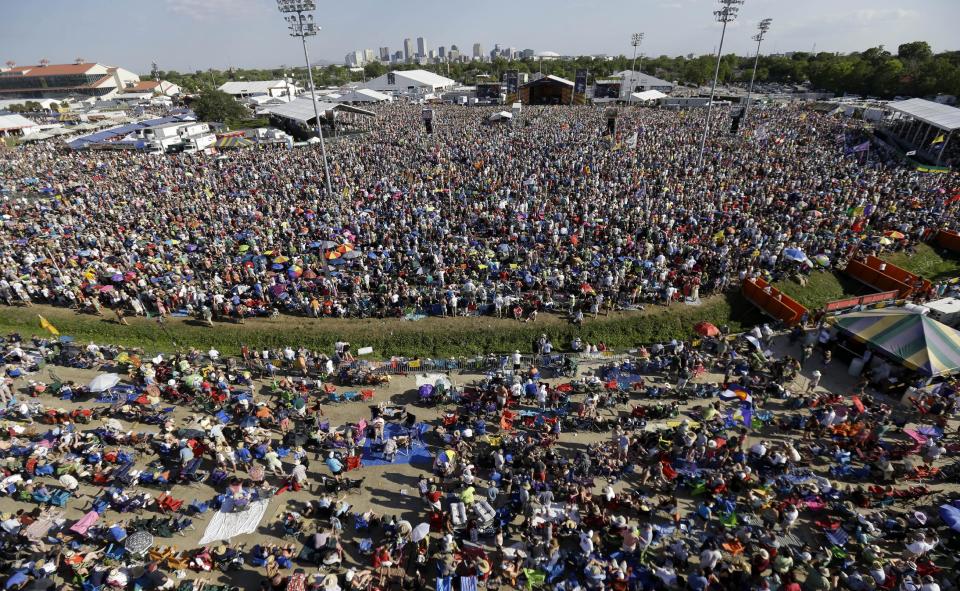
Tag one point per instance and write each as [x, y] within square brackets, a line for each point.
[727, 14]
[762, 29]
[302, 26]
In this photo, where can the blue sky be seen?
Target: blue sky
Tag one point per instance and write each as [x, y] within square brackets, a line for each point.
[197, 34]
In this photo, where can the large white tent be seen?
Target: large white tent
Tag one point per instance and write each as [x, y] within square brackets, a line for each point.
[410, 82]
[362, 95]
[647, 95]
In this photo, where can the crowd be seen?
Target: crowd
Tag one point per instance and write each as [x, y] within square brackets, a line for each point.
[544, 214]
[757, 480]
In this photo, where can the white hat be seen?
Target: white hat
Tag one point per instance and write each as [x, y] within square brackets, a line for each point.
[816, 373]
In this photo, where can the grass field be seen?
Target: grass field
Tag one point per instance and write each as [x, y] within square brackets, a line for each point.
[435, 337]
[930, 263]
[825, 286]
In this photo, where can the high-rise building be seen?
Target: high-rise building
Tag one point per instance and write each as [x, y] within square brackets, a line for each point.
[510, 53]
[431, 55]
[407, 48]
[478, 51]
[384, 54]
[442, 52]
[368, 56]
[527, 54]
[398, 56]
[422, 49]
[354, 59]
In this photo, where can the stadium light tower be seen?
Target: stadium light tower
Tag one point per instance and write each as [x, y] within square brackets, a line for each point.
[636, 39]
[762, 29]
[302, 26]
[727, 14]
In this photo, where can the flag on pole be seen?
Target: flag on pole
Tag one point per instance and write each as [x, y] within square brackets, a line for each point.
[862, 147]
[938, 140]
[45, 324]
[632, 141]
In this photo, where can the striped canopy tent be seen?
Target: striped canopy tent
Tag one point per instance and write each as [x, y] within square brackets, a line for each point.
[233, 141]
[917, 341]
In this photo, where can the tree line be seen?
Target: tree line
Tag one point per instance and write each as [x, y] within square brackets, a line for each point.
[914, 70]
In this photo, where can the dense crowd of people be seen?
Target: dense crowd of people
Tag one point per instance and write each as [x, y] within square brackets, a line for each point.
[545, 214]
[761, 480]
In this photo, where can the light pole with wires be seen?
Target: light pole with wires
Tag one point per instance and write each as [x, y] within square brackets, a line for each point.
[302, 26]
[636, 39]
[726, 14]
[762, 29]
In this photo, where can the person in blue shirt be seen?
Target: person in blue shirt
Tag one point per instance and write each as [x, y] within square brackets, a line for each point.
[336, 467]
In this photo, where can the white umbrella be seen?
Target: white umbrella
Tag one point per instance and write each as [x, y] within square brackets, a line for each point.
[420, 532]
[103, 382]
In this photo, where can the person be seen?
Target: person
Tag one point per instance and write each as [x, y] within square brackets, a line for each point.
[154, 579]
[389, 449]
[334, 465]
[814, 381]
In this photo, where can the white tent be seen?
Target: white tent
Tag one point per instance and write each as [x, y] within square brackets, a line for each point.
[501, 116]
[647, 95]
[362, 95]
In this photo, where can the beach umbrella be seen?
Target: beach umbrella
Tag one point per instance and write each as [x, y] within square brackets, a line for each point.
[706, 329]
[345, 248]
[894, 234]
[420, 532]
[332, 255]
[103, 382]
[193, 381]
[281, 259]
[794, 254]
[116, 277]
[404, 528]
[886, 241]
[244, 247]
[276, 266]
[138, 542]
[309, 274]
[822, 259]
[105, 288]
[351, 254]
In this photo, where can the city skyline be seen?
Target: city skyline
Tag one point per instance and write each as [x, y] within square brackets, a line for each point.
[206, 30]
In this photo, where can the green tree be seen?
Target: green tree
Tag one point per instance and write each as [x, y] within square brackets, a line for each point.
[216, 105]
[374, 70]
[916, 51]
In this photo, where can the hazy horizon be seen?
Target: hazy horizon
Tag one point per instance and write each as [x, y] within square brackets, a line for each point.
[187, 35]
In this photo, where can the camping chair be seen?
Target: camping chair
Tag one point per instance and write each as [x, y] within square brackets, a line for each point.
[351, 396]
[838, 537]
[115, 552]
[167, 504]
[366, 395]
[59, 498]
[353, 463]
